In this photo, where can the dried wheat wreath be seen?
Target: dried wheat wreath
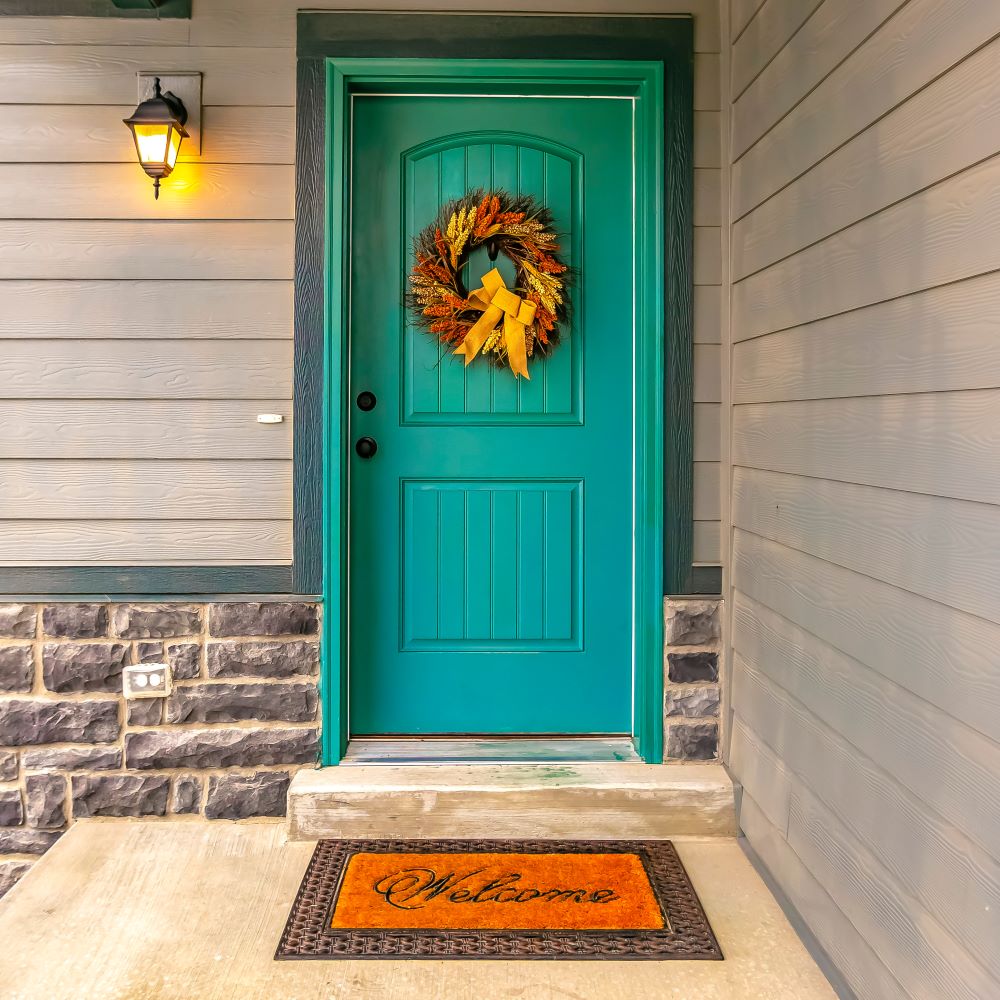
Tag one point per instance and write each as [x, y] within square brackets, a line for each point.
[507, 324]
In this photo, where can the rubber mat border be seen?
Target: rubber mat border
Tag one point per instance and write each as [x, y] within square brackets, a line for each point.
[688, 936]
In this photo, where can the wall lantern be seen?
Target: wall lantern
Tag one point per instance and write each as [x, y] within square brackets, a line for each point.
[157, 126]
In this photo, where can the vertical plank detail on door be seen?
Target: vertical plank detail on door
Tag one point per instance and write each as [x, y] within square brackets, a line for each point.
[491, 564]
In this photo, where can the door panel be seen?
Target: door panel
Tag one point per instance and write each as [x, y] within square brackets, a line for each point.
[491, 534]
[511, 548]
[437, 173]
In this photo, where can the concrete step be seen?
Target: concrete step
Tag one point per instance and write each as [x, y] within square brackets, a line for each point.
[573, 801]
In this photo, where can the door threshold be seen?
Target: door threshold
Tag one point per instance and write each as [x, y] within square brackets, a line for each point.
[417, 750]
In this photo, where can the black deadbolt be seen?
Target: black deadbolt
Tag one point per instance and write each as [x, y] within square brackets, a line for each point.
[366, 447]
[366, 400]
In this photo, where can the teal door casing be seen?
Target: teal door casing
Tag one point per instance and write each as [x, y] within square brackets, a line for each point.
[498, 560]
[491, 533]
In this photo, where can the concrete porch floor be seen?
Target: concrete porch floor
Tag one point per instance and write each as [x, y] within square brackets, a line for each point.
[122, 910]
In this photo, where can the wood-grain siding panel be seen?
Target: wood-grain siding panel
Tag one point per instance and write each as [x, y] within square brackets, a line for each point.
[923, 957]
[707, 82]
[106, 74]
[765, 36]
[88, 134]
[944, 443]
[741, 14]
[128, 249]
[707, 363]
[707, 197]
[188, 309]
[940, 548]
[707, 255]
[707, 494]
[122, 191]
[943, 234]
[150, 369]
[145, 543]
[927, 856]
[188, 429]
[707, 314]
[759, 771]
[707, 432]
[825, 40]
[934, 341]
[922, 41]
[848, 950]
[707, 138]
[911, 640]
[706, 543]
[950, 768]
[33, 30]
[938, 132]
[90, 489]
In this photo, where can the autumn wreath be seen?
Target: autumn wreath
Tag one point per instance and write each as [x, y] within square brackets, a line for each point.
[508, 324]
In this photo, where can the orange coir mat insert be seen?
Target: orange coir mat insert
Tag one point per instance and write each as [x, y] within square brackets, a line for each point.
[497, 899]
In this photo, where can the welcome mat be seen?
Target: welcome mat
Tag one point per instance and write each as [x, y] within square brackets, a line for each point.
[625, 899]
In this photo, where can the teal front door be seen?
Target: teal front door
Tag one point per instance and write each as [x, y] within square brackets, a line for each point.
[491, 532]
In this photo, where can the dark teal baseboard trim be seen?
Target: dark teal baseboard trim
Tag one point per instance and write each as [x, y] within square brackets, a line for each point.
[97, 8]
[132, 580]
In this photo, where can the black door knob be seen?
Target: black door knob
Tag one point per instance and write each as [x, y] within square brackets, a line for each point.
[366, 447]
[366, 400]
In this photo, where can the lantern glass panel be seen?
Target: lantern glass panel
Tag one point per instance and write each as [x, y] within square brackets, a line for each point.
[151, 142]
[173, 147]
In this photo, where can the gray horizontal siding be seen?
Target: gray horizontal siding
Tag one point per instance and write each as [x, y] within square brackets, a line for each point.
[140, 338]
[865, 402]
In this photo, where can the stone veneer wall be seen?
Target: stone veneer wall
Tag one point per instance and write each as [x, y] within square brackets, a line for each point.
[692, 630]
[243, 715]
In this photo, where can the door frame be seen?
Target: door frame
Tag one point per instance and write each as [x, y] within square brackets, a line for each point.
[649, 59]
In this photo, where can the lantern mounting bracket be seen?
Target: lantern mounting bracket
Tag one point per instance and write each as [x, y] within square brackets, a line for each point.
[185, 89]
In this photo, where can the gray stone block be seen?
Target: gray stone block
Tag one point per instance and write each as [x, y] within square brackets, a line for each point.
[688, 668]
[263, 659]
[120, 795]
[11, 810]
[186, 794]
[11, 872]
[238, 796]
[75, 667]
[697, 741]
[8, 765]
[18, 621]
[149, 652]
[75, 621]
[155, 621]
[185, 660]
[73, 758]
[276, 618]
[17, 668]
[144, 711]
[691, 623]
[168, 748]
[25, 722]
[693, 703]
[241, 702]
[23, 840]
[46, 801]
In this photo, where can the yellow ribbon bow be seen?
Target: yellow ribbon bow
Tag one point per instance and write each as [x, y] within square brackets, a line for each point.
[497, 300]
